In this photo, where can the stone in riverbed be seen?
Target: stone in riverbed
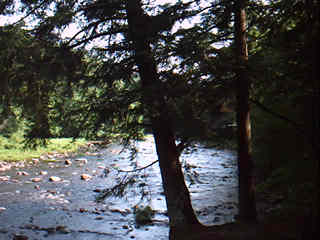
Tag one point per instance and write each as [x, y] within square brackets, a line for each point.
[82, 160]
[22, 173]
[85, 177]
[67, 162]
[35, 160]
[36, 179]
[54, 179]
[4, 167]
[4, 178]
[43, 173]
[20, 237]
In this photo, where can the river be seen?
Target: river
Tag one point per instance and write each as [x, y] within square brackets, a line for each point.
[68, 209]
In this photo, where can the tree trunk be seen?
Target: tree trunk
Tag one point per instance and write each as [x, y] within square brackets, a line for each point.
[247, 205]
[312, 48]
[180, 211]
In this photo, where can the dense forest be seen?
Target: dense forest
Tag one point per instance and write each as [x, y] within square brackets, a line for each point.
[240, 74]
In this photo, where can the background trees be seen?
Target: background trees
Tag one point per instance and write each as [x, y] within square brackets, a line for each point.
[146, 74]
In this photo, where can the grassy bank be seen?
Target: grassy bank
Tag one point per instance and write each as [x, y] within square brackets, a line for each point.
[12, 149]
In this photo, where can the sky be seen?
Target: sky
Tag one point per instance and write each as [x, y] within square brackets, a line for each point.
[72, 29]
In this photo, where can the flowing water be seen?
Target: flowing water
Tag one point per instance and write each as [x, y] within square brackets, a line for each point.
[68, 209]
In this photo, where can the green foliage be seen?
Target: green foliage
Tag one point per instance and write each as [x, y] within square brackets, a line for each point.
[143, 215]
[14, 148]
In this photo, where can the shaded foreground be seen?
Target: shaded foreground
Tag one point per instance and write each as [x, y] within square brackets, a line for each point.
[67, 209]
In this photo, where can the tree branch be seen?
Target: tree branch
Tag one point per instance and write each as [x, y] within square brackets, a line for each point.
[138, 169]
[277, 115]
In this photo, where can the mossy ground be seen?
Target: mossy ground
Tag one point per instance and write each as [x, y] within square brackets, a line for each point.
[13, 148]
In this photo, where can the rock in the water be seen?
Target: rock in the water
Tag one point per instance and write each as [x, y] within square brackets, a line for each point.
[2, 209]
[85, 177]
[4, 167]
[43, 173]
[35, 160]
[67, 162]
[55, 179]
[4, 178]
[36, 179]
[82, 160]
[22, 173]
[20, 237]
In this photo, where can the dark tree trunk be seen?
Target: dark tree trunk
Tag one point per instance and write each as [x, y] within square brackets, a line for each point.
[180, 211]
[247, 205]
[312, 50]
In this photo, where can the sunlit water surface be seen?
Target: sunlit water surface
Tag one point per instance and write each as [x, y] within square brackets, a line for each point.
[32, 209]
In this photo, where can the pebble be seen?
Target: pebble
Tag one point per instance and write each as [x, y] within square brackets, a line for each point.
[82, 210]
[54, 179]
[35, 160]
[20, 237]
[4, 178]
[85, 177]
[82, 160]
[43, 173]
[36, 179]
[4, 167]
[67, 162]
[22, 173]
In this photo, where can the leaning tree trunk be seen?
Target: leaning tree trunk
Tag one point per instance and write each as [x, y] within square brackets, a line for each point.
[247, 205]
[180, 211]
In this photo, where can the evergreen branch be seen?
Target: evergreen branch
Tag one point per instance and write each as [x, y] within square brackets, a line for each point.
[86, 40]
[278, 115]
[139, 169]
[32, 11]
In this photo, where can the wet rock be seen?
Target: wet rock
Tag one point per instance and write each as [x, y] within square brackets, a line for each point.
[54, 179]
[2, 209]
[3, 230]
[37, 187]
[52, 191]
[36, 179]
[124, 212]
[4, 178]
[85, 177]
[97, 190]
[82, 210]
[31, 227]
[99, 218]
[125, 227]
[4, 167]
[20, 237]
[35, 160]
[67, 162]
[82, 160]
[63, 229]
[43, 173]
[22, 173]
